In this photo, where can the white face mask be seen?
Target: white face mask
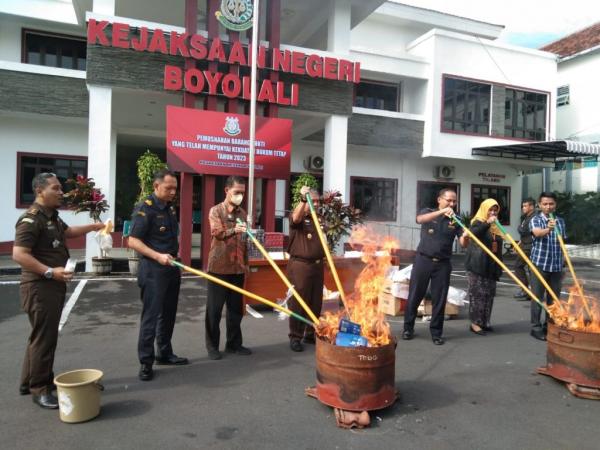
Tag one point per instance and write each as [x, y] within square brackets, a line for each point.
[237, 199]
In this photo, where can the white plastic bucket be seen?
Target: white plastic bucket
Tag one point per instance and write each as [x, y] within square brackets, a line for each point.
[79, 394]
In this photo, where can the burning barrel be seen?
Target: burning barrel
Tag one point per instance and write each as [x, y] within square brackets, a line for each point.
[574, 357]
[355, 378]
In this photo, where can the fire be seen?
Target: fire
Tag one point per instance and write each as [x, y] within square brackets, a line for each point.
[362, 303]
[577, 313]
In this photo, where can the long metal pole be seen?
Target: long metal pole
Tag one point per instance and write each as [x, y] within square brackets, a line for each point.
[254, 50]
[285, 280]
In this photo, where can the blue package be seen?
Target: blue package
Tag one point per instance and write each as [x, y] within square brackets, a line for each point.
[350, 340]
[349, 327]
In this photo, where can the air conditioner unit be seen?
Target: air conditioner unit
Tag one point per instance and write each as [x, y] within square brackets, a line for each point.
[445, 172]
[313, 162]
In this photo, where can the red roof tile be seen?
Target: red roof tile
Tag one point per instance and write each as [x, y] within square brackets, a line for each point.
[577, 42]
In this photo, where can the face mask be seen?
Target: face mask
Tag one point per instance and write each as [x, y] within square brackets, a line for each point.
[237, 199]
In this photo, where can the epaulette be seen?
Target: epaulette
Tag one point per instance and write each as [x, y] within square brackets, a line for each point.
[32, 211]
[141, 213]
[148, 202]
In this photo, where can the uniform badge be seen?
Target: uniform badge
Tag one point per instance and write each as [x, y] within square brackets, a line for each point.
[55, 243]
[27, 219]
[309, 236]
[148, 202]
[431, 231]
[161, 229]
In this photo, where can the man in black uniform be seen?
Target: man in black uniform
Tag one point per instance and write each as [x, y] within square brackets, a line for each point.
[432, 264]
[41, 250]
[305, 269]
[154, 231]
[525, 242]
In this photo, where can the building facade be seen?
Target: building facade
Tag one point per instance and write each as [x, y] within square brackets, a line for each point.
[437, 101]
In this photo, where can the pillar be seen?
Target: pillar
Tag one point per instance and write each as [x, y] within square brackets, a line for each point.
[269, 190]
[208, 201]
[102, 157]
[336, 151]
[339, 26]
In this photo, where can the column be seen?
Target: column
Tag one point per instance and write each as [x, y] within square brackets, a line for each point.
[339, 26]
[269, 190]
[186, 191]
[102, 157]
[208, 201]
[335, 155]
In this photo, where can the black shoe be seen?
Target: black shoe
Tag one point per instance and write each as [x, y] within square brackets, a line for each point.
[538, 334]
[407, 335]
[480, 332]
[308, 340]
[172, 360]
[214, 355]
[488, 329]
[438, 340]
[47, 401]
[241, 350]
[296, 345]
[24, 389]
[146, 373]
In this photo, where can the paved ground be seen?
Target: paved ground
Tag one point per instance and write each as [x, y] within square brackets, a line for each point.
[474, 392]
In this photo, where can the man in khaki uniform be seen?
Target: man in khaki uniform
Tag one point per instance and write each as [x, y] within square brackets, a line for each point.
[41, 251]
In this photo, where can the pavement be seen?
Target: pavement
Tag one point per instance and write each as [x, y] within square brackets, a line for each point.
[472, 393]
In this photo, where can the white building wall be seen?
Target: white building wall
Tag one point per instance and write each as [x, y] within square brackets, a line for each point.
[579, 119]
[35, 135]
[384, 37]
[464, 56]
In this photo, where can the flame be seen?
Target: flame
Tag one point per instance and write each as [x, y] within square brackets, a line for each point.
[363, 302]
[577, 313]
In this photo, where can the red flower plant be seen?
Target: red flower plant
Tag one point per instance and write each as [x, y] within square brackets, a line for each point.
[86, 197]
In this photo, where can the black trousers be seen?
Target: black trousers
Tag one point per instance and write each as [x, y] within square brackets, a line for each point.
[424, 271]
[521, 268]
[554, 280]
[160, 295]
[217, 297]
[43, 302]
[307, 278]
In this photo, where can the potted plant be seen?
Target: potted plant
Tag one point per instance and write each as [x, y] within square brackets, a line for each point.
[338, 217]
[86, 197]
[147, 164]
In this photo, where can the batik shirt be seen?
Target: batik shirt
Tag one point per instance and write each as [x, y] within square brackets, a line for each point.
[228, 254]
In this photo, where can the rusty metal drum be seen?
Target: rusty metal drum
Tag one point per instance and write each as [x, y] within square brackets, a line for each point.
[573, 357]
[356, 378]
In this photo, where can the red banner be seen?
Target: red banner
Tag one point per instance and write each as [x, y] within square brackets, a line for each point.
[216, 143]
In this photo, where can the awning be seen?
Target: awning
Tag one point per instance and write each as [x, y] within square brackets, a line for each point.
[548, 151]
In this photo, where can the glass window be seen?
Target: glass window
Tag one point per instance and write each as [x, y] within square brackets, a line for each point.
[31, 165]
[428, 192]
[375, 197]
[375, 95]
[526, 117]
[48, 49]
[501, 194]
[466, 106]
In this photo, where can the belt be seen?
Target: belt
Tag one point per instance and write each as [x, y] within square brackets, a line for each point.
[307, 260]
[433, 258]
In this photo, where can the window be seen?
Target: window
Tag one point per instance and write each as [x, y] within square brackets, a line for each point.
[375, 197]
[29, 165]
[525, 115]
[501, 194]
[427, 193]
[47, 49]
[466, 106]
[378, 95]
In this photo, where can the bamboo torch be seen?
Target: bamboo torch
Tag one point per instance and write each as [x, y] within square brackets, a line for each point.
[336, 278]
[563, 247]
[241, 291]
[281, 275]
[534, 269]
[501, 264]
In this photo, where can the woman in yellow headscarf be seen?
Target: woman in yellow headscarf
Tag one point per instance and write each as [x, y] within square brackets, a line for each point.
[482, 271]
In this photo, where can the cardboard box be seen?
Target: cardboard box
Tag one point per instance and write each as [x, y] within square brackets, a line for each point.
[390, 305]
[426, 309]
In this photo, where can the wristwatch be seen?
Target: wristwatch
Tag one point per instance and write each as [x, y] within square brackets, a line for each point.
[49, 273]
